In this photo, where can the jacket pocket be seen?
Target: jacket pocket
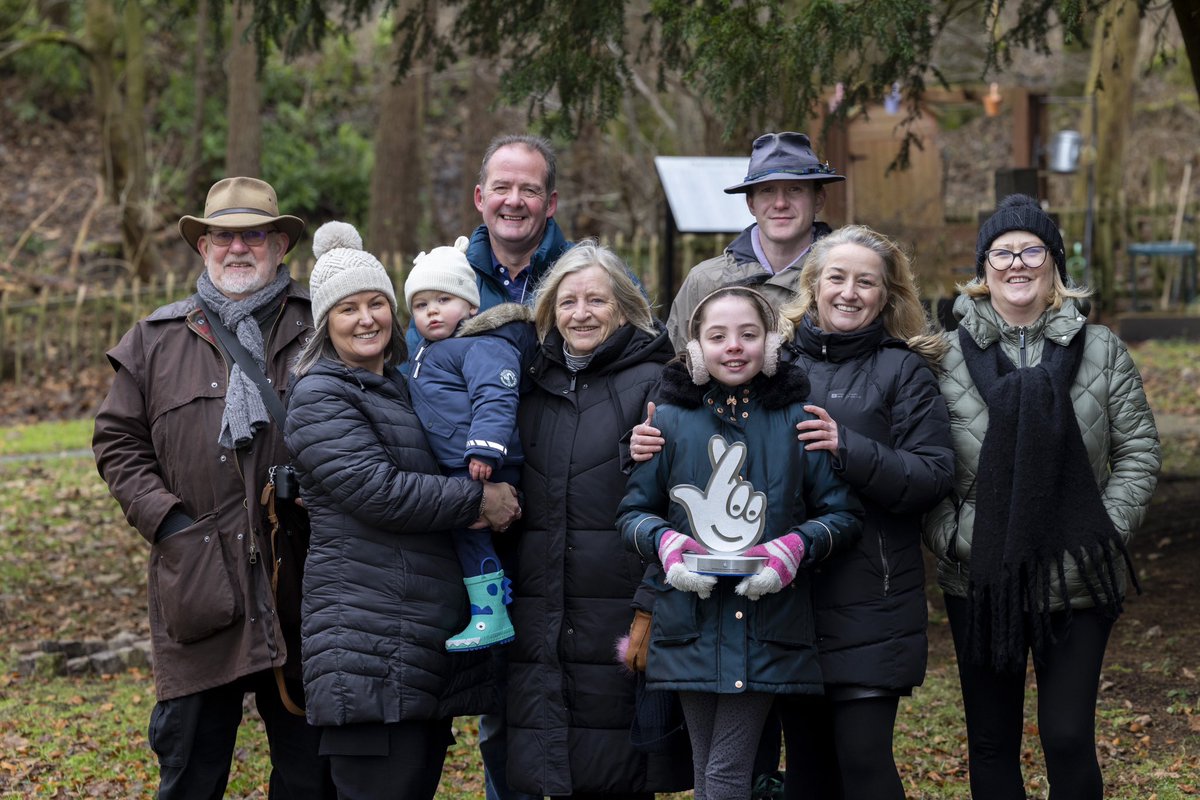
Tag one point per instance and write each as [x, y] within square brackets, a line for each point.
[784, 618]
[675, 616]
[193, 583]
[435, 423]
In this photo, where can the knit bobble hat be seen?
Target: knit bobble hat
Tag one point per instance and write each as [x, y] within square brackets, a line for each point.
[343, 268]
[1020, 212]
[443, 269]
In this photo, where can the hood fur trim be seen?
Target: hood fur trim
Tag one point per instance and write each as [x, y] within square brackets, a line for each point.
[493, 318]
[788, 385]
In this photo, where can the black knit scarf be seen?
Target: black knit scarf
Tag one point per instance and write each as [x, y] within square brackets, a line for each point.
[1037, 501]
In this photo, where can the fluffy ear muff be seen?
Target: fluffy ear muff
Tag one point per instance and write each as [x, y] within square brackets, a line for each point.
[695, 363]
[771, 354]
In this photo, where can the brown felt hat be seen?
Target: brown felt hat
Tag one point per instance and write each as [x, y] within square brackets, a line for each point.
[240, 204]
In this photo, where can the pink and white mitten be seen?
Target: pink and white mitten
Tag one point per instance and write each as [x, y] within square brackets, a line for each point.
[671, 548]
[783, 562]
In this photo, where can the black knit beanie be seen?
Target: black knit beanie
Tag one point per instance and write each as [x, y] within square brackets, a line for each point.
[1020, 212]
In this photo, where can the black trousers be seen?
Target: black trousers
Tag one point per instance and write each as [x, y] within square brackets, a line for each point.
[1067, 682]
[840, 748]
[376, 761]
[193, 737]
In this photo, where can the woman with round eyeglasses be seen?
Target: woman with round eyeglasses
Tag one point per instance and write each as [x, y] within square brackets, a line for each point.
[1057, 459]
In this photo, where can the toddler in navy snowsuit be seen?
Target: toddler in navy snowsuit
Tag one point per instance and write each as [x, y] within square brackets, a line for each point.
[464, 378]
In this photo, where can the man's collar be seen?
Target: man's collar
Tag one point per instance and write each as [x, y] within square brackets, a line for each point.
[761, 255]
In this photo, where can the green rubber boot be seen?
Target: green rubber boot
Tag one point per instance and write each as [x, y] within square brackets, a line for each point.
[490, 624]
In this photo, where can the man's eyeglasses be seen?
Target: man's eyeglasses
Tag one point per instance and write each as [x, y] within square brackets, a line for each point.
[250, 238]
[1032, 257]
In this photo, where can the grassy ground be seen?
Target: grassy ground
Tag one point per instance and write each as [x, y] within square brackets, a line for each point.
[71, 568]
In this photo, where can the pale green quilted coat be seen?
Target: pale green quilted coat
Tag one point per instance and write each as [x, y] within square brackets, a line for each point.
[1114, 418]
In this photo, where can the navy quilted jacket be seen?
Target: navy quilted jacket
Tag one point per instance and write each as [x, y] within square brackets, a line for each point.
[382, 586]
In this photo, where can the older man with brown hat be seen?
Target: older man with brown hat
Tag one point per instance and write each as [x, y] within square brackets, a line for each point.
[785, 190]
[186, 440]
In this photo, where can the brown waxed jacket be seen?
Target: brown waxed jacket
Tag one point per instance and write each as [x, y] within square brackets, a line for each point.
[212, 615]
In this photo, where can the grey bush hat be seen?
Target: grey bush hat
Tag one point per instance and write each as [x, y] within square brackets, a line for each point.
[786, 156]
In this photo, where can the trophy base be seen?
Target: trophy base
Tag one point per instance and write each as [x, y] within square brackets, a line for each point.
[724, 565]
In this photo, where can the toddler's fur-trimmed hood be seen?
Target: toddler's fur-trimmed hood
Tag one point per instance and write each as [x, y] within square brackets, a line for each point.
[494, 318]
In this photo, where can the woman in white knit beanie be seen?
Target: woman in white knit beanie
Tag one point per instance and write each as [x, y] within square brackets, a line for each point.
[382, 587]
[347, 275]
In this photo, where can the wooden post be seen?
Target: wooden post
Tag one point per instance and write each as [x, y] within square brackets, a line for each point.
[41, 346]
[836, 151]
[73, 348]
[114, 329]
[135, 294]
[652, 261]
[18, 354]
[5, 321]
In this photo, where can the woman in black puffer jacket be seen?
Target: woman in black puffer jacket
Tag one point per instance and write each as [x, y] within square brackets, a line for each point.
[382, 585]
[862, 338]
[570, 705]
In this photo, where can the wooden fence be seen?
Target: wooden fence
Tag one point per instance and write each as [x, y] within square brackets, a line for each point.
[57, 330]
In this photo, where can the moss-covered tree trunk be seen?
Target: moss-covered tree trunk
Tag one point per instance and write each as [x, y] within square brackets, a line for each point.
[397, 212]
[1111, 79]
[122, 123]
[243, 147]
[200, 91]
[138, 218]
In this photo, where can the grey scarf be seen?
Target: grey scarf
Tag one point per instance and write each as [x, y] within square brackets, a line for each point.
[244, 412]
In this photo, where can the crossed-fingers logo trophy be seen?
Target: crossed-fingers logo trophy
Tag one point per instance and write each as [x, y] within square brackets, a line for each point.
[727, 516]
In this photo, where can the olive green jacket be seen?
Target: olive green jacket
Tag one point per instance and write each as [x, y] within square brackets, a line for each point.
[1114, 418]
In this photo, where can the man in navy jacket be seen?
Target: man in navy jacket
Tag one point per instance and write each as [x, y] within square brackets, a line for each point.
[519, 240]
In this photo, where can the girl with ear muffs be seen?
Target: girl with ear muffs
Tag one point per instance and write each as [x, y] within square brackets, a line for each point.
[861, 336]
[727, 406]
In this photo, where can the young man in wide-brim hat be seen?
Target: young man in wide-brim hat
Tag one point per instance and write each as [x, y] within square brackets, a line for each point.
[785, 190]
[185, 443]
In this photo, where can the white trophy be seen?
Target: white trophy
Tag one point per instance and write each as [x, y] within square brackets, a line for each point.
[727, 516]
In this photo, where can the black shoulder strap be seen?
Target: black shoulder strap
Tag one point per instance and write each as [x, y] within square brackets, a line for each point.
[246, 361]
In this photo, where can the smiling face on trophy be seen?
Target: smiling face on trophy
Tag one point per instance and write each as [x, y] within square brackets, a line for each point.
[728, 515]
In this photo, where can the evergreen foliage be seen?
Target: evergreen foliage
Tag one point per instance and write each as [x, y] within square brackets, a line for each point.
[758, 61]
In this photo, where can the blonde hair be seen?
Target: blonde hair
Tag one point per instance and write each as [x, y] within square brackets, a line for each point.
[631, 303]
[1059, 291]
[902, 314]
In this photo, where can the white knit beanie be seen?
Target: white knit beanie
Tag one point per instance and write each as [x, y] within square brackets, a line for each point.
[343, 268]
[443, 269]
